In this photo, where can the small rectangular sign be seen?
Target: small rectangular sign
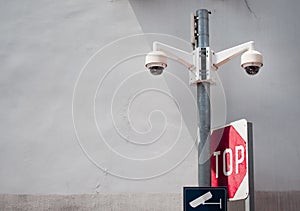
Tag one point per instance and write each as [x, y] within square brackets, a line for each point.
[205, 199]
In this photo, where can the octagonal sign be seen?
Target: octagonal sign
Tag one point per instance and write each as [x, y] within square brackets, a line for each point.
[229, 160]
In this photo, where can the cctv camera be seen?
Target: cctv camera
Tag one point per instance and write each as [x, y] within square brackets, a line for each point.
[252, 61]
[156, 62]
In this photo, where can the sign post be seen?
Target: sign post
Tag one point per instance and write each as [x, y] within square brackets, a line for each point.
[249, 202]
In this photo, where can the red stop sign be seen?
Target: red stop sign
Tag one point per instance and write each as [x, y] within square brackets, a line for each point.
[229, 165]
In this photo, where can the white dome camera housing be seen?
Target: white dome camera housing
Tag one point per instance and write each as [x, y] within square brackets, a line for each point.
[252, 61]
[156, 62]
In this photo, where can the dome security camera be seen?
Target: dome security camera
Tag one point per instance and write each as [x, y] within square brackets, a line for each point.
[252, 61]
[156, 62]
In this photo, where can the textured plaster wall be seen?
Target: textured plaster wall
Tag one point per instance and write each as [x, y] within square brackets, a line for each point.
[270, 99]
[44, 46]
[265, 201]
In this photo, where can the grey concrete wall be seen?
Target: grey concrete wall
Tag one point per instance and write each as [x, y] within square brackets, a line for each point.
[265, 201]
[45, 44]
[43, 48]
[270, 99]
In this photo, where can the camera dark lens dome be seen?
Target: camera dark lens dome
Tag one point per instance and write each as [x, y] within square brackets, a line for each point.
[156, 70]
[252, 70]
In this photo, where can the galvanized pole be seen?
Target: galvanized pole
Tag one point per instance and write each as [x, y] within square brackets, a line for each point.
[249, 202]
[203, 101]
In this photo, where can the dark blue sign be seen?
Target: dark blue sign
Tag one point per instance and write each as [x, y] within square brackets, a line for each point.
[205, 199]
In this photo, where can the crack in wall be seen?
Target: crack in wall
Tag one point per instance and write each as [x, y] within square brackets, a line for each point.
[249, 8]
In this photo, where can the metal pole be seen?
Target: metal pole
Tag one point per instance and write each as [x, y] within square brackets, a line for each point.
[249, 202]
[203, 102]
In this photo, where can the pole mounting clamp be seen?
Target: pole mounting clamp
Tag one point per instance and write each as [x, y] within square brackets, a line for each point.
[202, 59]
